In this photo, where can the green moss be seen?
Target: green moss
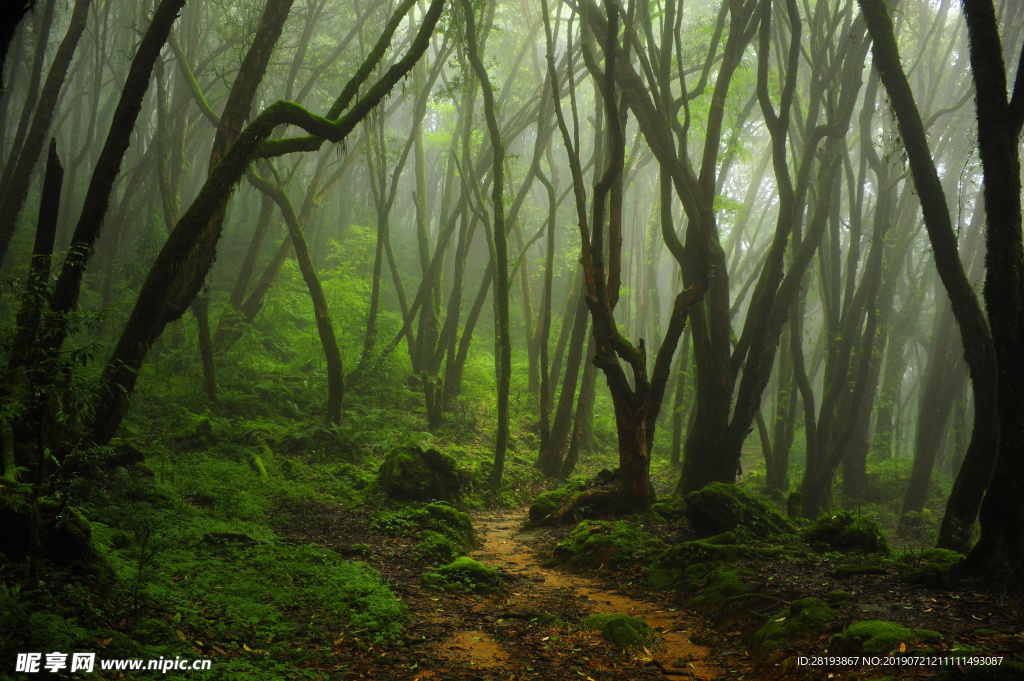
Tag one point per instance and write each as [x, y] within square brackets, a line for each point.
[854, 569]
[548, 502]
[625, 631]
[928, 635]
[720, 585]
[803, 616]
[599, 543]
[837, 598]
[844, 532]
[719, 507]
[463, 574]
[928, 566]
[437, 518]
[410, 473]
[671, 509]
[985, 632]
[545, 504]
[677, 566]
[872, 637]
[437, 548]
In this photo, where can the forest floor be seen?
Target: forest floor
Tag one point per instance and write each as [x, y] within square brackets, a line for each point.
[528, 630]
[522, 631]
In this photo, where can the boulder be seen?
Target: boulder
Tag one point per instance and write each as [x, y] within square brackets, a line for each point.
[412, 474]
[841, 531]
[719, 508]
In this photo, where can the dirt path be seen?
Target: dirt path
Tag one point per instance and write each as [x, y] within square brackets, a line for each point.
[523, 633]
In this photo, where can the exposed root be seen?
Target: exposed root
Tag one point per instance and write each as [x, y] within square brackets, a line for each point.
[593, 503]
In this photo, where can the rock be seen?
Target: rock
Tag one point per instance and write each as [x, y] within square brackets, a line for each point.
[463, 574]
[625, 631]
[803, 616]
[719, 508]
[841, 531]
[411, 474]
[874, 637]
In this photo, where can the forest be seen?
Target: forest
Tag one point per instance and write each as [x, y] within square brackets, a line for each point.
[511, 339]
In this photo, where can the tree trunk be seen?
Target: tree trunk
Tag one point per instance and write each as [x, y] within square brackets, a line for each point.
[324, 325]
[501, 289]
[1001, 546]
[980, 348]
[15, 190]
[943, 382]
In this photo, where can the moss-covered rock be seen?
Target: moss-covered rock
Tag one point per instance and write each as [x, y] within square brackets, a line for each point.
[838, 598]
[803, 616]
[671, 509]
[435, 547]
[410, 473]
[719, 585]
[719, 507]
[463, 574]
[684, 565]
[600, 543]
[124, 453]
[449, 521]
[841, 531]
[933, 566]
[443, 531]
[873, 637]
[625, 631]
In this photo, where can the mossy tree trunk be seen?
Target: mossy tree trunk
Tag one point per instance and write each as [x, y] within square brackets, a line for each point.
[321, 311]
[500, 259]
[980, 350]
[636, 403]
[943, 382]
[18, 174]
[1000, 120]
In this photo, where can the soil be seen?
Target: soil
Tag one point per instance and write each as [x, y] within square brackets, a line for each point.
[530, 629]
[527, 631]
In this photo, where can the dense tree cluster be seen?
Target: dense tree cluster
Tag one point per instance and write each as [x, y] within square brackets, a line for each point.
[761, 221]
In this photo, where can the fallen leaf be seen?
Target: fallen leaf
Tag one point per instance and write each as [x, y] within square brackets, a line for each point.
[903, 647]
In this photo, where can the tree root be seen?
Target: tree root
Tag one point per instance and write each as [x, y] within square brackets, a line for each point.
[593, 502]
